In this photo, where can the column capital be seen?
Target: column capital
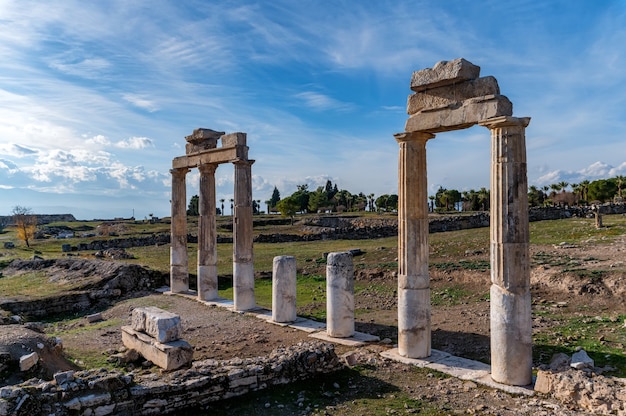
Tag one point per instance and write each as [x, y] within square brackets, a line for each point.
[413, 135]
[207, 167]
[505, 121]
[179, 171]
[243, 162]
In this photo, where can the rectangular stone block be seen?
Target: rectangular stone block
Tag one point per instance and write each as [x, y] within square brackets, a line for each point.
[28, 361]
[234, 139]
[469, 113]
[201, 140]
[169, 356]
[451, 95]
[163, 326]
[444, 73]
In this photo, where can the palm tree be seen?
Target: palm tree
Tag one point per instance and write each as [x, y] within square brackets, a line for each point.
[222, 201]
[370, 197]
[563, 185]
[231, 206]
[584, 189]
[268, 203]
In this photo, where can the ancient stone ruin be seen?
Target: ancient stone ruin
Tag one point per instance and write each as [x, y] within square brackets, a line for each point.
[202, 152]
[452, 96]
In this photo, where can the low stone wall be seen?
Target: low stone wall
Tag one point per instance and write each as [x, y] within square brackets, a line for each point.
[102, 392]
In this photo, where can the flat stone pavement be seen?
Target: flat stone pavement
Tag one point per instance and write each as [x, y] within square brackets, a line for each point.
[459, 367]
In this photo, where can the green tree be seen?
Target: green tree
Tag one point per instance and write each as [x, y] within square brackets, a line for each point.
[193, 209]
[619, 181]
[288, 207]
[302, 197]
[275, 198]
[25, 222]
[602, 190]
[222, 201]
[317, 199]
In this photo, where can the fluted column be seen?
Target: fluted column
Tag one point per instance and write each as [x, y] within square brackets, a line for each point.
[179, 266]
[413, 279]
[207, 235]
[243, 267]
[511, 319]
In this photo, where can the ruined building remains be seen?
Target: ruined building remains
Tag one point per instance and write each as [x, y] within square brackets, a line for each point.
[202, 152]
[452, 96]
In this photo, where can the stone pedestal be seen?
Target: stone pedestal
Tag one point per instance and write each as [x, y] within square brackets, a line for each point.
[169, 356]
[284, 289]
[243, 267]
[207, 235]
[179, 263]
[161, 325]
[511, 319]
[413, 279]
[339, 295]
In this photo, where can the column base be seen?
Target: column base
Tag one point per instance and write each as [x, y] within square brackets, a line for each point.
[414, 323]
[511, 337]
[243, 286]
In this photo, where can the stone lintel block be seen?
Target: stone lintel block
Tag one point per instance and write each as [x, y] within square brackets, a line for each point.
[200, 135]
[444, 73]
[234, 139]
[452, 95]
[169, 356]
[28, 361]
[471, 112]
[161, 325]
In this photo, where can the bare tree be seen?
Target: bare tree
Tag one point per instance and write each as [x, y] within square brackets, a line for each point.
[25, 222]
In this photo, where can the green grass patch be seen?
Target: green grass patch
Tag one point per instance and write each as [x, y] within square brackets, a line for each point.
[602, 338]
[449, 296]
[33, 285]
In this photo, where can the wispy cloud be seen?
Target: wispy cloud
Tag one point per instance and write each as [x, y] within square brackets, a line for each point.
[322, 102]
[135, 143]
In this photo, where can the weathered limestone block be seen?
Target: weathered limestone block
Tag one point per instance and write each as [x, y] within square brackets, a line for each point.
[414, 336]
[163, 326]
[339, 295]
[284, 289]
[169, 356]
[451, 95]
[202, 139]
[234, 139]
[444, 73]
[469, 113]
[28, 361]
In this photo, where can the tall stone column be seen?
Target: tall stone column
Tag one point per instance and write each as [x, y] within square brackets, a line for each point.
[207, 235]
[413, 279]
[511, 319]
[179, 266]
[243, 266]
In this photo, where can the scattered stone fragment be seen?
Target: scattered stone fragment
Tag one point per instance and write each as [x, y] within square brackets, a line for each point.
[581, 360]
[28, 361]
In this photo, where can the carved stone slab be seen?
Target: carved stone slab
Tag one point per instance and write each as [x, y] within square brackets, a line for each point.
[444, 73]
[161, 325]
[450, 95]
[169, 356]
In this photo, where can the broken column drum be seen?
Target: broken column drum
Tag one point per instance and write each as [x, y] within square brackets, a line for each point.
[339, 295]
[202, 152]
[452, 96]
[284, 289]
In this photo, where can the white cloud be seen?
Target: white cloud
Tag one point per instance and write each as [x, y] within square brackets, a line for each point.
[91, 68]
[141, 102]
[135, 143]
[322, 102]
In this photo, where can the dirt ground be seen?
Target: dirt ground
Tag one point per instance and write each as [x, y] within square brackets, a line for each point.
[460, 328]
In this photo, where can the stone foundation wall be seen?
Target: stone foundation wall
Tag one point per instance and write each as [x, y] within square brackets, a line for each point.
[102, 392]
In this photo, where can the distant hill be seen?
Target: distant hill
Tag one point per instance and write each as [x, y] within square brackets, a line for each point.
[42, 218]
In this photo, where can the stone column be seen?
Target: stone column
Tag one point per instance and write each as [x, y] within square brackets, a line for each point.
[207, 235]
[179, 266]
[284, 289]
[511, 320]
[243, 267]
[339, 295]
[413, 279]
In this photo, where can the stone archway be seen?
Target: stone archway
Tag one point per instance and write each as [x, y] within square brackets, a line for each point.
[202, 152]
[452, 96]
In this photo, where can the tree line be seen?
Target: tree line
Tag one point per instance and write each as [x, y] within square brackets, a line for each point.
[329, 198]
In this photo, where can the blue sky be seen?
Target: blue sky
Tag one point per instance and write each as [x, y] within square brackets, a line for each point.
[97, 97]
